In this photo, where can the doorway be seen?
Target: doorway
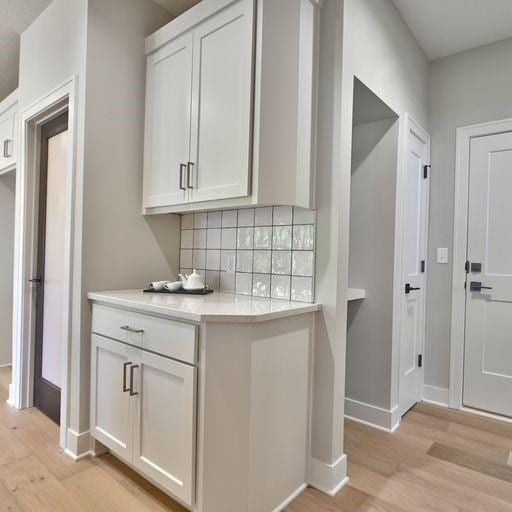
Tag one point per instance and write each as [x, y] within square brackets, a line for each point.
[488, 325]
[49, 280]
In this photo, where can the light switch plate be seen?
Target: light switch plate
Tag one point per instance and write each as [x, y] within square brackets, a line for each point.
[442, 255]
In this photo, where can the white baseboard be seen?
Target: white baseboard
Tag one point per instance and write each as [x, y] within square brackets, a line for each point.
[78, 444]
[328, 478]
[290, 498]
[371, 415]
[11, 400]
[435, 395]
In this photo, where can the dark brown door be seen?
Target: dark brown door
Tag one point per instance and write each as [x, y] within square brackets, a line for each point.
[50, 257]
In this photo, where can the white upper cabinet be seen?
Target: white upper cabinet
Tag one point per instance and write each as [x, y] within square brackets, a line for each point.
[222, 104]
[231, 107]
[8, 132]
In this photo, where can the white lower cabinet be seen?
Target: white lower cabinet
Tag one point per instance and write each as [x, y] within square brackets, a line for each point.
[143, 408]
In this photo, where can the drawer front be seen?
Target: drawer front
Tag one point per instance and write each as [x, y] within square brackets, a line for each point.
[166, 337]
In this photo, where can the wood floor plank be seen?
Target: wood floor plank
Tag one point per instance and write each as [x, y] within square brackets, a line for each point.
[35, 488]
[509, 460]
[471, 461]
[348, 499]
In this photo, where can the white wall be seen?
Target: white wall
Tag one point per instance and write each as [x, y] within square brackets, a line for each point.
[372, 229]
[7, 194]
[467, 88]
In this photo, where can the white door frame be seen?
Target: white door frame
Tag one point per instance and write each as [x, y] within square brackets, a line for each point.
[460, 240]
[410, 126]
[64, 97]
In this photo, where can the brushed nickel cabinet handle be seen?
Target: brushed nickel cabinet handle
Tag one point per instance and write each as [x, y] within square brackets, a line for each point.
[189, 168]
[125, 387]
[182, 168]
[131, 329]
[132, 370]
[6, 148]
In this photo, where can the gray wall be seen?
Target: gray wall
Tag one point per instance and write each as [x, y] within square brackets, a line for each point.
[372, 240]
[467, 88]
[7, 194]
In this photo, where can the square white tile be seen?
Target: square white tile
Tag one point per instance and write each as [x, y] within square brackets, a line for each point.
[187, 221]
[200, 220]
[213, 238]
[244, 284]
[199, 238]
[244, 261]
[304, 237]
[282, 238]
[214, 219]
[213, 279]
[245, 238]
[186, 258]
[228, 261]
[302, 289]
[262, 237]
[229, 219]
[262, 262]
[261, 285]
[227, 282]
[283, 215]
[187, 238]
[282, 262]
[303, 216]
[246, 217]
[199, 259]
[228, 238]
[213, 259]
[302, 263]
[280, 287]
[263, 216]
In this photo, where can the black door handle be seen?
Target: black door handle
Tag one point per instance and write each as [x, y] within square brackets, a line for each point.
[409, 288]
[476, 286]
[36, 280]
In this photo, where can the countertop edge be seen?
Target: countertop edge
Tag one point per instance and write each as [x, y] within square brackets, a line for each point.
[100, 298]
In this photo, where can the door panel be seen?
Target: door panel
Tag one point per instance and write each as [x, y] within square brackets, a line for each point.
[168, 104]
[488, 353]
[412, 329]
[222, 104]
[49, 281]
[111, 415]
[164, 436]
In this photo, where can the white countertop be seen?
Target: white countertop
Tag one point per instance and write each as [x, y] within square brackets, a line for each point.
[215, 307]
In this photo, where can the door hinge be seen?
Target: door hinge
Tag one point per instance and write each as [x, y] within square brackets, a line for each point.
[425, 171]
[420, 360]
[422, 266]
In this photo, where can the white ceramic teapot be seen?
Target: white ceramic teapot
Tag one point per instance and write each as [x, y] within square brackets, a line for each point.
[192, 282]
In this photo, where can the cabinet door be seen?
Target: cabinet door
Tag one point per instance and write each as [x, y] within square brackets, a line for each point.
[222, 104]
[111, 415]
[7, 154]
[165, 424]
[167, 130]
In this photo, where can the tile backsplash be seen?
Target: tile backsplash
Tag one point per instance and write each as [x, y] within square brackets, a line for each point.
[264, 252]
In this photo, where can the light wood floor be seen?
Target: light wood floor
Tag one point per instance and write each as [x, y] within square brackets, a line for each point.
[437, 461]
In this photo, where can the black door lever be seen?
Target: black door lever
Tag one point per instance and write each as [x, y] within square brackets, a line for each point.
[36, 280]
[476, 286]
[409, 288]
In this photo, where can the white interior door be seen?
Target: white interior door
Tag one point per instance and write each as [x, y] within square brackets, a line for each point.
[168, 110]
[488, 352]
[222, 104]
[111, 414]
[164, 424]
[414, 268]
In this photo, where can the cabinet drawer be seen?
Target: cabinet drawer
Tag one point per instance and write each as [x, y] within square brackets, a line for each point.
[166, 337]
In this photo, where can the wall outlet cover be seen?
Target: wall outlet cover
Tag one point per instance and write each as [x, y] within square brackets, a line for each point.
[442, 255]
[231, 264]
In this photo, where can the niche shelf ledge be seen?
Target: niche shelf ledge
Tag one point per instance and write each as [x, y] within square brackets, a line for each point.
[356, 294]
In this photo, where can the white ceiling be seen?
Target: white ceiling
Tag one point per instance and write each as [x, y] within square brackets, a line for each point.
[445, 27]
[177, 7]
[15, 17]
